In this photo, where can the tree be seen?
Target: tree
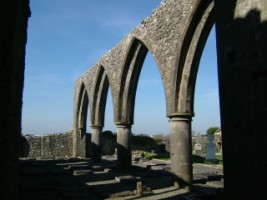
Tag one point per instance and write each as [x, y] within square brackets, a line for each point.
[212, 130]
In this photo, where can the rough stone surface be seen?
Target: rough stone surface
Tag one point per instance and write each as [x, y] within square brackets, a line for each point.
[49, 146]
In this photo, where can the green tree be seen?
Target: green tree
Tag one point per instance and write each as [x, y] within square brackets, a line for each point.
[212, 130]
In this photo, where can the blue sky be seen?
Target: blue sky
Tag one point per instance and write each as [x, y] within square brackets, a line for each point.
[66, 37]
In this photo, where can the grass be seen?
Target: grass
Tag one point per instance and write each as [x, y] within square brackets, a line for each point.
[195, 158]
[164, 157]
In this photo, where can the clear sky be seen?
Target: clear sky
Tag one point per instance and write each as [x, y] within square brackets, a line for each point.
[66, 37]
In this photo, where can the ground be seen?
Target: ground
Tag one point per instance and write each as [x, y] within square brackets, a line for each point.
[75, 178]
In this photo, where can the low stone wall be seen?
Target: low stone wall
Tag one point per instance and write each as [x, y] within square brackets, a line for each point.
[202, 140]
[47, 146]
[109, 143]
[60, 144]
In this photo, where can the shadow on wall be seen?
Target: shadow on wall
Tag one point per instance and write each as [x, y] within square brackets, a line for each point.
[242, 59]
[108, 143]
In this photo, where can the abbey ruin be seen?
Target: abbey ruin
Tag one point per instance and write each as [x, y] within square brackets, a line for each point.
[175, 34]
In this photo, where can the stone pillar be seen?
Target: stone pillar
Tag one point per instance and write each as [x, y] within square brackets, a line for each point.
[96, 143]
[241, 30]
[181, 150]
[79, 142]
[124, 146]
[74, 142]
[14, 20]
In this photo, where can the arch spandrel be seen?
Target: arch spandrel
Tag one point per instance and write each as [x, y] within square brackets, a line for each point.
[84, 83]
[89, 79]
[163, 34]
[113, 62]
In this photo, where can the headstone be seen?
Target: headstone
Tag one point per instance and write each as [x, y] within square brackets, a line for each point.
[198, 149]
[211, 148]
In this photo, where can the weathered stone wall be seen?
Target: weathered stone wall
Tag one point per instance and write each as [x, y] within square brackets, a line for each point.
[200, 140]
[49, 146]
[109, 143]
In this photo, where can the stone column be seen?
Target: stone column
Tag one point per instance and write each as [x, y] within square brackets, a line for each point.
[96, 143]
[181, 150]
[241, 30]
[124, 146]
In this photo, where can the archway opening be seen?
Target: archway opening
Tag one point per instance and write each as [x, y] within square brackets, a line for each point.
[206, 92]
[150, 104]
[206, 107]
[109, 129]
[109, 114]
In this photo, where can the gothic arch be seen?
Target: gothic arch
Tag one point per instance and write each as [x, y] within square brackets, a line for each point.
[99, 98]
[80, 116]
[193, 43]
[176, 38]
[129, 79]
[83, 110]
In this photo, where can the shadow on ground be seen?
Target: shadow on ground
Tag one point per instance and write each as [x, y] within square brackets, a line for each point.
[75, 178]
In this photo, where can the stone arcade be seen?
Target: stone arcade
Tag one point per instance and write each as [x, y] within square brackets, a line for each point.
[175, 34]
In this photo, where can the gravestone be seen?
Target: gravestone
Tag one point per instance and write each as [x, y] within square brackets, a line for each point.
[198, 149]
[211, 148]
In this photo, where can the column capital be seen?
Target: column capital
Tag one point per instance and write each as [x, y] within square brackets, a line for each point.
[96, 126]
[181, 116]
[123, 124]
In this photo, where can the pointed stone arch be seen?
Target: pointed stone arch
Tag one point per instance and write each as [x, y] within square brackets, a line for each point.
[129, 79]
[176, 38]
[195, 37]
[98, 106]
[81, 103]
[99, 97]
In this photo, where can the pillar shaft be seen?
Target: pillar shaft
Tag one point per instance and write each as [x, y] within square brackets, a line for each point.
[181, 151]
[124, 146]
[79, 142]
[96, 143]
